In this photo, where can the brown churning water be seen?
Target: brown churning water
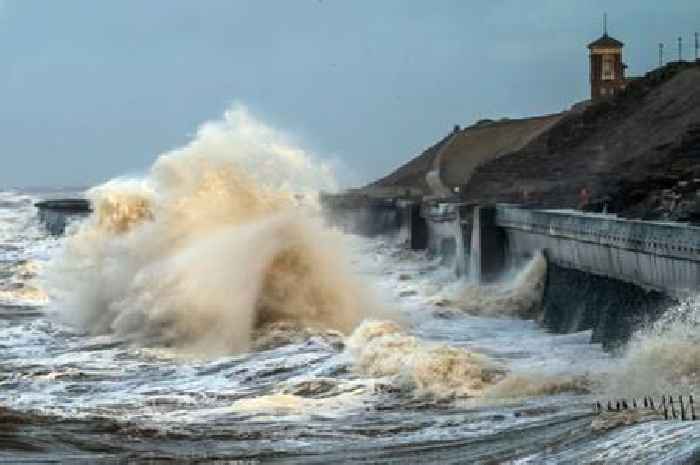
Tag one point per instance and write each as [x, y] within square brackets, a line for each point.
[220, 237]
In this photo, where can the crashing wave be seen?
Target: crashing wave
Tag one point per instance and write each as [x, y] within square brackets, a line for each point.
[520, 296]
[220, 238]
[383, 349]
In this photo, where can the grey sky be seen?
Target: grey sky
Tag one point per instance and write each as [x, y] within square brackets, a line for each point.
[94, 89]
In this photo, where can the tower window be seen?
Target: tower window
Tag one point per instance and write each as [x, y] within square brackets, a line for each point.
[608, 68]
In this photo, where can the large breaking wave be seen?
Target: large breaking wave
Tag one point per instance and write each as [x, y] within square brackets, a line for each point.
[220, 237]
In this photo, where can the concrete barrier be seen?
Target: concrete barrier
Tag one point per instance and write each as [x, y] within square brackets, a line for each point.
[607, 274]
[604, 273]
[654, 255]
[488, 240]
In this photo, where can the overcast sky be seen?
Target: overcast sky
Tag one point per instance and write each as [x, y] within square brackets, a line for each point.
[94, 89]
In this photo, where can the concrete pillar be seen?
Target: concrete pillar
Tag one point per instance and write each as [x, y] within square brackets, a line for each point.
[488, 246]
[475, 254]
[416, 227]
[462, 241]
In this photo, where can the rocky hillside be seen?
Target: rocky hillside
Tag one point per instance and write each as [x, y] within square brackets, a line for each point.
[637, 155]
[471, 147]
[409, 178]
[489, 141]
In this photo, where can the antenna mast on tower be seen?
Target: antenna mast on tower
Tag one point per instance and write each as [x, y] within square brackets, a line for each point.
[661, 54]
[605, 24]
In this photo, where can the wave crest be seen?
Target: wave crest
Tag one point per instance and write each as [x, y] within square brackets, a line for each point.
[220, 237]
[382, 349]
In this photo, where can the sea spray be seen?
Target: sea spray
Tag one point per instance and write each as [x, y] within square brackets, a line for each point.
[383, 349]
[538, 384]
[18, 285]
[662, 358]
[518, 295]
[221, 237]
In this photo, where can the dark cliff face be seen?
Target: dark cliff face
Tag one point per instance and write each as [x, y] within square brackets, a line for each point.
[637, 154]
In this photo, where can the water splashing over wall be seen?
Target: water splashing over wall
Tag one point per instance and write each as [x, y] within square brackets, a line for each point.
[662, 358]
[519, 294]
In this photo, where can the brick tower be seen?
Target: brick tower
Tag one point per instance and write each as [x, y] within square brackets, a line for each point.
[607, 69]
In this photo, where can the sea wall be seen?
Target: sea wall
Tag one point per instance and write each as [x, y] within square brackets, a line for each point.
[653, 255]
[576, 301]
[607, 274]
[363, 215]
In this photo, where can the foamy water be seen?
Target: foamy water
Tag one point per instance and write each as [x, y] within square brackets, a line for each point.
[220, 237]
[206, 312]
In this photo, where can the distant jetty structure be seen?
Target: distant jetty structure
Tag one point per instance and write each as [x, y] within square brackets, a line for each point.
[57, 213]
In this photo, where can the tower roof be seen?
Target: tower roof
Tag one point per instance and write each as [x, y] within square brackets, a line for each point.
[605, 41]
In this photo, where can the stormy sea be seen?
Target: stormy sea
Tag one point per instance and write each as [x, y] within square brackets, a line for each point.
[205, 311]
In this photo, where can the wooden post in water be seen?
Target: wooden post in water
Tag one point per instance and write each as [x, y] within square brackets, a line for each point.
[692, 409]
[673, 407]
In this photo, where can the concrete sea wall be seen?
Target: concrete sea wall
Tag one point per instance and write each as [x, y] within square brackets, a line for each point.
[607, 274]
[576, 301]
[653, 255]
[362, 215]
